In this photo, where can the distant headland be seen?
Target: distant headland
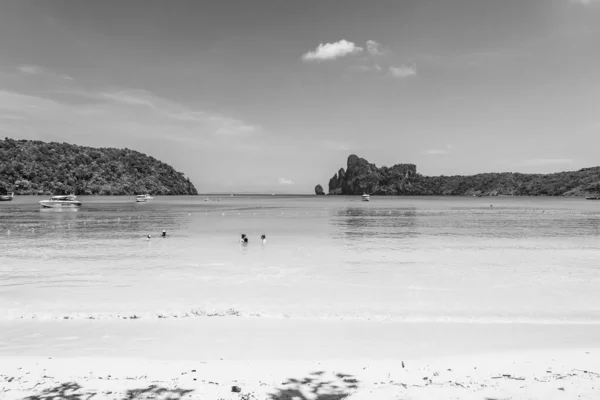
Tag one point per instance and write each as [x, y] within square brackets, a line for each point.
[403, 179]
[33, 167]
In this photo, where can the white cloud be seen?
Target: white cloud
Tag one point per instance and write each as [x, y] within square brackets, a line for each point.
[585, 2]
[374, 48]
[31, 69]
[333, 145]
[231, 127]
[436, 152]
[331, 51]
[403, 71]
[283, 181]
[38, 70]
[120, 115]
[217, 123]
[364, 68]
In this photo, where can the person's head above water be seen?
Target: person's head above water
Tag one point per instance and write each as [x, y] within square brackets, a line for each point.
[263, 236]
[164, 232]
[149, 236]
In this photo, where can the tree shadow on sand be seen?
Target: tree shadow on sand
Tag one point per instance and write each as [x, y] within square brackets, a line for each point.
[316, 387]
[73, 391]
[64, 391]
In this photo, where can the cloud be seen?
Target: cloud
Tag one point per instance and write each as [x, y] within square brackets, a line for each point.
[585, 2]
[231, 127]
[374, 48]
[546, 161]
[283, 181]
[364, 68]
[218, 124]
[403, 71]
[31, 69]
[38, 70]
[438, 152]
[337, 146]
[331, 51]
[117, 116]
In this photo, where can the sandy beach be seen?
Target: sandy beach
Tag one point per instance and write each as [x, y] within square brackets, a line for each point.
[213, 358]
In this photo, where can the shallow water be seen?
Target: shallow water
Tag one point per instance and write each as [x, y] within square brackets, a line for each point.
[395, 258]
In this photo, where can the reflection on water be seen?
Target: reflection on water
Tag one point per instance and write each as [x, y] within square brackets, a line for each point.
[354, 223]
[58, 210]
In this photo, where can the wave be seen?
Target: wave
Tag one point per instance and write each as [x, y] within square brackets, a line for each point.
[235, 313]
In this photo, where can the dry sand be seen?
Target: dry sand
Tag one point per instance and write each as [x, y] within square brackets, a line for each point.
[64, 360]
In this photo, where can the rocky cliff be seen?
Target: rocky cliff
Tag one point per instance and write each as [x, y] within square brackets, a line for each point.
[35, 167]
[402, 179]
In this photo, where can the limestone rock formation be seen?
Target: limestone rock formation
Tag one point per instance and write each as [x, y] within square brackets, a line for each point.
[361, 177]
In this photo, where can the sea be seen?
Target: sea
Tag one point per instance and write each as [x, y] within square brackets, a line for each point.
[421, 259]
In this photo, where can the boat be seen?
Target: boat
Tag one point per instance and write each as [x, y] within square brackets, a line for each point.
[593, 196]
[366, 197]
[7, 197]
[66, 201]
[141, 198]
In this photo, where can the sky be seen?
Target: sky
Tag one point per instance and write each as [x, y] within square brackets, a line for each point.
[272, 96]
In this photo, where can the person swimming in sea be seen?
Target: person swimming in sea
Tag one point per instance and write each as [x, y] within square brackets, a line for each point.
[149, 237]
[164, 233]
[244, 239]
[263, 238]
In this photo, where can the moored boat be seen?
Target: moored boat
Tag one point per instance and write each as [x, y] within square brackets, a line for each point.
[593, 196]
[366, 197]
[141, 198]
[66, 201]
[7, 197]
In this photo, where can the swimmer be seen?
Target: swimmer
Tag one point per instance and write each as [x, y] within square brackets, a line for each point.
[149, 237]
[164, 233]
[263, 238]
[244, 239]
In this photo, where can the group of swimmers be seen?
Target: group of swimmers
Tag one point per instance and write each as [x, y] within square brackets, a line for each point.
[164, 234]
[244, 239]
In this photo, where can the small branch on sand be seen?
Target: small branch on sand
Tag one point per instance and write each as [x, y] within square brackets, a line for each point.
[508, 376]
[587, 372]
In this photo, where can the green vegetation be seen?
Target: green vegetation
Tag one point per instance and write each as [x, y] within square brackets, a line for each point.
[403, 179]
[35, 167]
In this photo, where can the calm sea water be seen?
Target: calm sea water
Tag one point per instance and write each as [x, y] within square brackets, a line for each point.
[394, 258]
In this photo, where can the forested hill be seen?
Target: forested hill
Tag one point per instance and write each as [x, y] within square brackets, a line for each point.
[35, 167]
[402, 179]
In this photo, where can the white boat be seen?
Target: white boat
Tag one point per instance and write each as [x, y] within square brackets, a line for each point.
[67, 201]
[593, 196]
[7, 197]
[366, 197]
[141, 198]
